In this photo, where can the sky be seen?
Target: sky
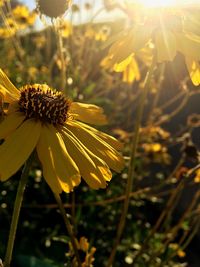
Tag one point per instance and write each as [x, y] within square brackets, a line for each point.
[104, 15]
[31, 3]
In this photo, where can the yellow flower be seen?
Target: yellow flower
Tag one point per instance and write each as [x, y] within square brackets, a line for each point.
[129, 66]
[197, 176]
[83, 244]
[23, 17]
[9, 29]
[131, 72]
[181, 253]
[156, 152]
[6, 33]
[165, 29]
[75, 8]
[90, 33]
[102, 34]
[32, 72]
[39, 117]
[65, 28]
[2, 2]
[39, 41]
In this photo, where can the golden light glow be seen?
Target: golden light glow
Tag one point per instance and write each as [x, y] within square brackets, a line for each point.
[157, 3]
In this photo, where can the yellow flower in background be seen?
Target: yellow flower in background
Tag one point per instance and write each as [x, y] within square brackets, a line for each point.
[84, 244]
[131, 72]
[32, 72]
[39, 41]
[102, 34]
[157, 152]
[197, 176]
[20, 18]
[75, 8]
[89, 32]
[87, 252]
[193, 67]
[39, 117]
[129, 66]
[165, 29]
[23, 17]
[6, 33]
[65, 28]
[9, 29]
[181, 253]
[2, 2]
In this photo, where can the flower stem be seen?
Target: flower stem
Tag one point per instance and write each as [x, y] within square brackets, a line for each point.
[62, 56]
[16, 211]
[69, 228]
[131, 168]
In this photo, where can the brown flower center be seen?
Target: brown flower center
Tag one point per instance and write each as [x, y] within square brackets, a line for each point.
[40, 102]
[52, 8]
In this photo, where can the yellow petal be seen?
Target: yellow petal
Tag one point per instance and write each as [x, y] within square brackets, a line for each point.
[188, 46]
[123, 65]
[65, 168]
[193, 67]
[88, 113]
[91, 172]
[17, 148]
[11, 90]
[7, 97]
[191, 21]
[10, 123]
[131, 73]
[121, 49]
[97, 145]
[113, 142]
[134, 40]
[46, 158]
[165, 43]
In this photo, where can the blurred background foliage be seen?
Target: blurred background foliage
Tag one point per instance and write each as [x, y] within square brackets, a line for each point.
[163, 219]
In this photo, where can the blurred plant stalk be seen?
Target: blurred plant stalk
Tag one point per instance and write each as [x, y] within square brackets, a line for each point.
[131, 168]
[16, 211]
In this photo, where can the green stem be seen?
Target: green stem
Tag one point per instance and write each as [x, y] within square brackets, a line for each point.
[69, 227]
[62, 56]
[131, 169]
[16, 211]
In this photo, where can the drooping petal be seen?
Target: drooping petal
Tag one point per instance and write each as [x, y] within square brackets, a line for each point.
[46, 158]
[165, 43]
[188, 45]
[94, 172]
[65, 168]
[17, 148]
[113, 142]
[121, 49]
[132, 72]
[193, 67]
[134, 40]
[9, 89]
[97, 145]
[88, 113]
[123, 65]
[10, 123]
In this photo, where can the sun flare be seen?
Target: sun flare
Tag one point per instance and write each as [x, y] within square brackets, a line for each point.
[158, 3]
